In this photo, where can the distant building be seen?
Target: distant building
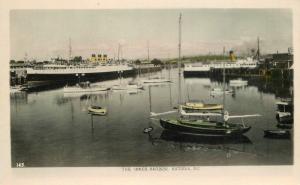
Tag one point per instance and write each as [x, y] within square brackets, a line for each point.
[282, 60]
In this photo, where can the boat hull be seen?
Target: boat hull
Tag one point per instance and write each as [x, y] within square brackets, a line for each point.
[83, 90]
[196, 73]
[203, 131]
[200, 106]
[284, 117]
[157, 81]
[279, 134]
[100, 112]
[75, 77]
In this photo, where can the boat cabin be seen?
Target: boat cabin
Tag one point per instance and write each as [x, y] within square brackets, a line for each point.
[284, 106]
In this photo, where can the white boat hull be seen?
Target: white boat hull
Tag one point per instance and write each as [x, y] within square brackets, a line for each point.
[156, 81]
[126, 87]
[81, 90]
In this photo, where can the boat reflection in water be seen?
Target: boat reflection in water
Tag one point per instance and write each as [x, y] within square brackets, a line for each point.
[168, 135]
[232, 145]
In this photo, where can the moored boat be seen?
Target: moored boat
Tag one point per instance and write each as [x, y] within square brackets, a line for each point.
[126, 87]
[205, 128]
[17, 88]
[284, 134]
[284, 111]
[84, 87]
[201, 106]
[156, 80]
[219, 91]
[97, 110]
[71, 73]
[238, 82]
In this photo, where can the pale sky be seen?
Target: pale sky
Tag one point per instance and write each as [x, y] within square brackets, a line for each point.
[43, 34]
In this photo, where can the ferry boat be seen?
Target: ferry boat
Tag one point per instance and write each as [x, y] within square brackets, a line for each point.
[201, 69]
[63, 73]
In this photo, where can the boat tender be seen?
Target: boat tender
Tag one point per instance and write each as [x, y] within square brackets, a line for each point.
[283, 134]
[97, 110]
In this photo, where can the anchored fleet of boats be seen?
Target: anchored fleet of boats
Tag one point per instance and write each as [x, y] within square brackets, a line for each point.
[194, 118]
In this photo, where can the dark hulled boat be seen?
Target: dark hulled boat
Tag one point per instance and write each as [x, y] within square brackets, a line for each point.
[280, 134]
[205, 128]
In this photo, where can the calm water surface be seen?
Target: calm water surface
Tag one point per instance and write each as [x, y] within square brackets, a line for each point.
[51, 128]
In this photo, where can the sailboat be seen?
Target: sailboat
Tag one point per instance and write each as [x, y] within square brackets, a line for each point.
[206, 127]
[155, 79]
[123, 86]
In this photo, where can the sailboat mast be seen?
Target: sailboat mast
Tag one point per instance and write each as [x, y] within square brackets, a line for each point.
[70, 50]
[223, 112]
[179, 46]
[148, 57]
[179, 59]
[258, 50]
[224, 88]
[119, 53]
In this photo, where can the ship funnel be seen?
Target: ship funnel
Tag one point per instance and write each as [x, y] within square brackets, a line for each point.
[232, 56]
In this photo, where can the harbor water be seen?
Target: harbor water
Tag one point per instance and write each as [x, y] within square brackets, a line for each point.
[53, 129]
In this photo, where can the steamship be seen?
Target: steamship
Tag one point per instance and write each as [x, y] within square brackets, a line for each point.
[51, 75]
[201, 69]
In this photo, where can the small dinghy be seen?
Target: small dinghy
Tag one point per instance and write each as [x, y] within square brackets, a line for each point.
[219, 91]
[238, 82]
[156, 80]
[148, 130]
[97, 110]
[282, 134]
[284, 126]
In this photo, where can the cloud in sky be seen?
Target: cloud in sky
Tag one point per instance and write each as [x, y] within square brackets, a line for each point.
[45, 33]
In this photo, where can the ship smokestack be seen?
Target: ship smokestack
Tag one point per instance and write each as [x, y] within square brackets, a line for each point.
[232, 56]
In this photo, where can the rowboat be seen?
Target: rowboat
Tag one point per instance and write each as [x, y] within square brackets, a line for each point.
[282, 134]
[97, 110]
[219, 91]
